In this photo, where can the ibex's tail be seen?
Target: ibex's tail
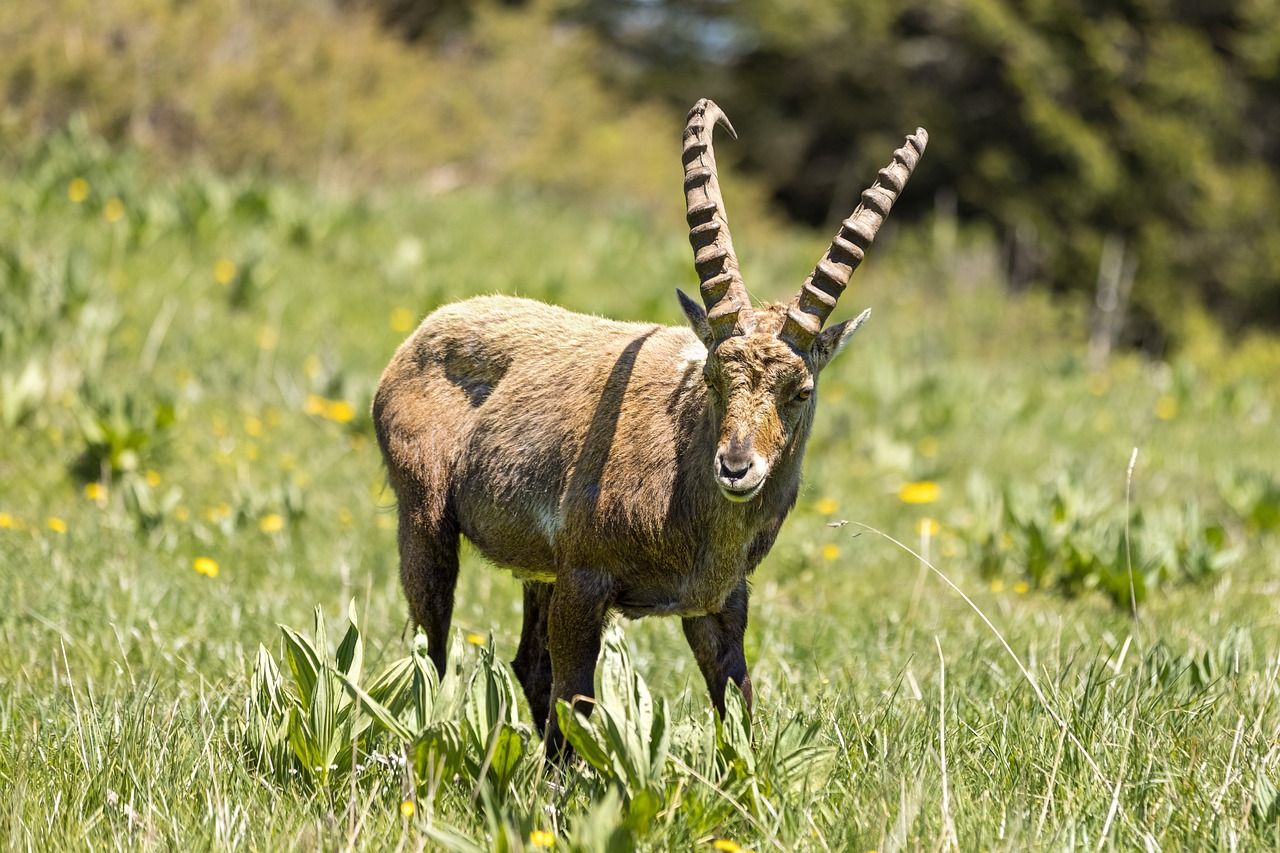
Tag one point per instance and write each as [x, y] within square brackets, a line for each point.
[817, 297]
[723, 292]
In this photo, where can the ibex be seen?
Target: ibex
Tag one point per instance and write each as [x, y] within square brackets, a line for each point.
[616, 466]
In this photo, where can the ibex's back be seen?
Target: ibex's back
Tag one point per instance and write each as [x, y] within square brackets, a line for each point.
[616, 466]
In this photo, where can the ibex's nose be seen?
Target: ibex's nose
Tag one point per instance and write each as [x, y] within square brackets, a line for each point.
[740, 470]
[729, 471]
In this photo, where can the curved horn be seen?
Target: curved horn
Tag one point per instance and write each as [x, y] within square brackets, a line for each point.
[723, 292]
[817, 297]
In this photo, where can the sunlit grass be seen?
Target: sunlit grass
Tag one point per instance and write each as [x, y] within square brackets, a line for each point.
[188, 463]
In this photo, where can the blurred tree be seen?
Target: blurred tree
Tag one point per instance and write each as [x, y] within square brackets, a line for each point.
[1148, 125]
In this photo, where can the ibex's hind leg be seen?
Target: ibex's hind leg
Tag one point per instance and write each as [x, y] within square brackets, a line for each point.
[716, 640]
[429, 573]
[533, 661]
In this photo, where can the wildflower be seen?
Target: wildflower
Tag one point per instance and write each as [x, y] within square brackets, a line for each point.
[541, 838]
[181, 513]
[340, 411]
[268, 338]
[272, 523]
[927, 447]
[153, 478]
[727, 846]
[1021, 587]
[401, 320]
[206, 566]
[95, 491]
[830, 552]
[475, 639]
[224, 271]
[407, 808]
[928, 527]
[1166, 408]
[56, 524]
[923, 492]
[315, 405]
[7, 521]
[78, 190]
[997, 585]
[253, 426]
[113, 211]
[827, 506]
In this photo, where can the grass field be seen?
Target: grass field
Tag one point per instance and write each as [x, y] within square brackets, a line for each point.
[186, 364]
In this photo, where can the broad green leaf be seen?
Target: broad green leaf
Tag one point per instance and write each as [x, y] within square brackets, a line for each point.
[350, 656]
[582, 737]
[304, 663]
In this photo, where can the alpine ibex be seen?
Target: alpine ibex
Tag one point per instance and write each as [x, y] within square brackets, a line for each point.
[616, 466]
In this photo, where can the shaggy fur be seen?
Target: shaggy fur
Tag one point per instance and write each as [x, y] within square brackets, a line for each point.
[616, 466]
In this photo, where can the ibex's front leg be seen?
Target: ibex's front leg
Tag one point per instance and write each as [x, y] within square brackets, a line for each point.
[533, 662]
[716, 640]
[580, 601]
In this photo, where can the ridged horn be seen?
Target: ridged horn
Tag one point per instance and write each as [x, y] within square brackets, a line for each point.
[818, 295]
[723, 292]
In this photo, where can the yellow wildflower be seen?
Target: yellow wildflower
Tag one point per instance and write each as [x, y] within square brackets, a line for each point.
[541, 838]
[7, 521]
[475, 639]
[181, 513]
[340, 411]
[407, 808]
[923, 492]
[206, 566]
[827, 506]
[401, 320]
[253, 426]
[830, 552]
[113, 211]
[315, 405]
[928, 527]
[268, 338]
[78, 190]
[997, 585]
[1021, 587]
[95, 491]
[153, 478]
[726, 846]
[1166, 408]
[272, 523]
[56, 524]
[224, 271]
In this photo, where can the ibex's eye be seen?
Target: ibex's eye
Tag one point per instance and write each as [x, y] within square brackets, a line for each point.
[803, 393]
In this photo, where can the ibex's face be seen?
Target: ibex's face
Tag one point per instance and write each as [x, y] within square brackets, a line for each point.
[761, 366]
[760, 394]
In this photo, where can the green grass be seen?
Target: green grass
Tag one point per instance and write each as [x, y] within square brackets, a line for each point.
[262, 313]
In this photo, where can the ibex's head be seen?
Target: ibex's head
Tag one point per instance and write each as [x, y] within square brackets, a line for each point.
[762, 366]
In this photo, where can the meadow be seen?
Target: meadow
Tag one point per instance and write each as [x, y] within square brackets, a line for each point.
[986, 625]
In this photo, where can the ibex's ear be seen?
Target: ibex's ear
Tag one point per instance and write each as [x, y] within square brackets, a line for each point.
[697, 318]
[830, 341]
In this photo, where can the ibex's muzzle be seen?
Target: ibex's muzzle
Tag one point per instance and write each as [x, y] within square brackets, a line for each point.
[740, 471]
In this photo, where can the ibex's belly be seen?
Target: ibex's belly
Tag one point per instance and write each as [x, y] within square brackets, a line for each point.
[648, 579]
